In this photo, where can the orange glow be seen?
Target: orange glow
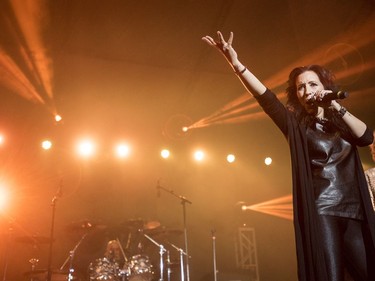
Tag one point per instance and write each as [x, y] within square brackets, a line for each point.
[279, 207]
[4, 198]
[329, 54]
[30, 19]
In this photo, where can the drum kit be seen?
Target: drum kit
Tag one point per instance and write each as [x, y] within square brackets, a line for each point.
[129, 253]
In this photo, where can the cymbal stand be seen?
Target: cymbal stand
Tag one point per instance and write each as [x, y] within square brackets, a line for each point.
[53, 204]
[71, 258]
[214, 253]
[161, 253]
[182, 253]
[183, 203]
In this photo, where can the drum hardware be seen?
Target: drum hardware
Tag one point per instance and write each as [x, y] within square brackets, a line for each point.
[34, 262]
[41, 275]
[182, 254]
[53, 205]
[70, 258]
[184, 200]
[214, 253]
[161, 253]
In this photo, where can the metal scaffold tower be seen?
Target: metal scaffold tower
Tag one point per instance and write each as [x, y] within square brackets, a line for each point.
[246, 252]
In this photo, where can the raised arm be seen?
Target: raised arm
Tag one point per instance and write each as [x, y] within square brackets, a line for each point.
[248, 79]
[356, 126]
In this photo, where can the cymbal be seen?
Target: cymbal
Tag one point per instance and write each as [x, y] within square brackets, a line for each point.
[134, 223]
[165, 232]
[141, 224]
[151, 225]
[33, 239]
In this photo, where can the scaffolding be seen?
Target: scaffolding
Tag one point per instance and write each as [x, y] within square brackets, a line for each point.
[246, 252]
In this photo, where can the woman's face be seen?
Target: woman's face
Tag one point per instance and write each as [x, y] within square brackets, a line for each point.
[307, 84]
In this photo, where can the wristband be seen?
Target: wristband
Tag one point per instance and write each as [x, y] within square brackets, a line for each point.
[342, 111]
[241, 72]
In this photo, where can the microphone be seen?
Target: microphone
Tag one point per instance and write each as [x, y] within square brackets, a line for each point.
[336, 95]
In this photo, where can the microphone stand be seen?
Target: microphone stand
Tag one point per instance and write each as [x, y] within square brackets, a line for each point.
[183, 202]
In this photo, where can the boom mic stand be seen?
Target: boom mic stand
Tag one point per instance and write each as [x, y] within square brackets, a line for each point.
[183, 203]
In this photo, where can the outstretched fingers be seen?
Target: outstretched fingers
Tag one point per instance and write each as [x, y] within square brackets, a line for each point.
[209, 40]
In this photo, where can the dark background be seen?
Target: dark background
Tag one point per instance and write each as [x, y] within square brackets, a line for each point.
[137, 70]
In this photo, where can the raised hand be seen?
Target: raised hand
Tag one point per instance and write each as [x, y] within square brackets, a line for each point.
[225, 47]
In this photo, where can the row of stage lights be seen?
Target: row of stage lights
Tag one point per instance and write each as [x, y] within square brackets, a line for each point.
[86, 149]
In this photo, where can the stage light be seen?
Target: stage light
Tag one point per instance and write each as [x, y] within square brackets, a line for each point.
[58, 118]
[268, 161]
[185, 129]
[199, 155]
[85, 148]
[122, 150]
[1, 139]
[231, 158]
[46, 144]
[165, 153]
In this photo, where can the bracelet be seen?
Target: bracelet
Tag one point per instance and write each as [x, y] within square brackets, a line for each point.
[342, 111]
[241, 72]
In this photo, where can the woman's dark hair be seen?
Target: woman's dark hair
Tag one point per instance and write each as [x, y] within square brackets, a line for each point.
[328, 80]
[325, 76]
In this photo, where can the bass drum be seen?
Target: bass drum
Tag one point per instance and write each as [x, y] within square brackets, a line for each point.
[103, 269]
[140, 268]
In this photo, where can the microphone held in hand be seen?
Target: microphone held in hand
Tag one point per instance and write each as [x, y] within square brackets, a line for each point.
[335, 95]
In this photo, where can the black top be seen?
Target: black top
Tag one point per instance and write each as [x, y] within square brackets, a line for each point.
[332, 161]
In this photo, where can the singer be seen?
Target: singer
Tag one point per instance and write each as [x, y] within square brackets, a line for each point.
[333, 217]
